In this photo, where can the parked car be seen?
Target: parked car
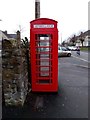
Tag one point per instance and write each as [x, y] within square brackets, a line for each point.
[62, 51]
[73, 48]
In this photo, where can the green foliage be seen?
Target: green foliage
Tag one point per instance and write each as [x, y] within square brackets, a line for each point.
[85, 49]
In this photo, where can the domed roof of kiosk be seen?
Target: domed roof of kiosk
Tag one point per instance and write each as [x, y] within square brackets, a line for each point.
[43, 19]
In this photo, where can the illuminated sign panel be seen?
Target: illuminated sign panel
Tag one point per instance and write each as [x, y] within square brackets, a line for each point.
[44, 26]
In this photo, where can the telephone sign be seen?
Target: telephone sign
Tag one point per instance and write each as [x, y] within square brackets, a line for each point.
[44, 26]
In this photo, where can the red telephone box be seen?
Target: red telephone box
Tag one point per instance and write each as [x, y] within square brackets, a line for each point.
[44, 55]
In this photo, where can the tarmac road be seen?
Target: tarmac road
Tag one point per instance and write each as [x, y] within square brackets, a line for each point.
[71, 100]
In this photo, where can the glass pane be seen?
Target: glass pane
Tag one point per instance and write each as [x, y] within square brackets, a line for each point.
[43, 51]
[44, 69]
[44, 74]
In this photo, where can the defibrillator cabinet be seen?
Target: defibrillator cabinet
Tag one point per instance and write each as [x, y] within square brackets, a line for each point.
[44, 55]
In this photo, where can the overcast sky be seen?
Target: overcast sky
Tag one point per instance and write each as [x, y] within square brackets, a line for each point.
[72, 15]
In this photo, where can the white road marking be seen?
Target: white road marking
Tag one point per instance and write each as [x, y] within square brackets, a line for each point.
[81, 59]
[81, 65]
[75, 65]
[85, 52]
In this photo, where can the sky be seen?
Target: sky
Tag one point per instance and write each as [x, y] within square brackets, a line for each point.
[72, 16]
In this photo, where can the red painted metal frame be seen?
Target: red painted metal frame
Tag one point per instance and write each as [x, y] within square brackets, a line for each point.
[51, 81]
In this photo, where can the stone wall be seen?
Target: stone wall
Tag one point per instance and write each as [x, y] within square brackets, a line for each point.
[14, 74]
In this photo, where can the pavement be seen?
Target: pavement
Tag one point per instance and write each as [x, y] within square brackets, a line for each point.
[71, 101]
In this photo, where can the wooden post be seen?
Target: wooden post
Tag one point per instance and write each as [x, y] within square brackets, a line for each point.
[37, 9]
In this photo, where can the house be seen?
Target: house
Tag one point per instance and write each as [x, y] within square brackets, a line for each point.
[12, 38]
[85, 39]
[2, 37]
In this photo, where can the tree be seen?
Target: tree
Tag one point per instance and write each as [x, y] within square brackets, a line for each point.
[74, 39]
[81, 38]
[63, 43]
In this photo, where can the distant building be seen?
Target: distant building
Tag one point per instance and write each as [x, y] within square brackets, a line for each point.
[2, 37]
[86, 38]
[11, 37]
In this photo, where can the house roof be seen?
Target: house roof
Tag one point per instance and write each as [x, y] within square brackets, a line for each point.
[84, 34]
[87, 33]
[10, 35]
[3, 36]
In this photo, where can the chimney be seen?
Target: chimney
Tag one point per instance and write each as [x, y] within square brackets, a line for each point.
[5, 32]
[18, 39]
[37, 9]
